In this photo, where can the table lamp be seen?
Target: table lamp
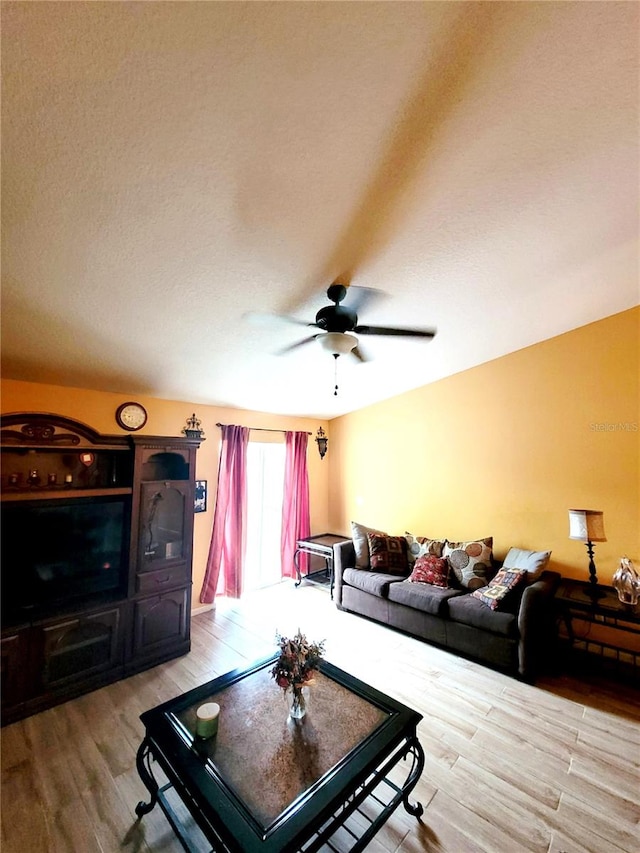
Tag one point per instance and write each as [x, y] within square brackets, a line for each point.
[587, 525]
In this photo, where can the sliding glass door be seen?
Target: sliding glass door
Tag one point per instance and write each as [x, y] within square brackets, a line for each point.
[265, 482]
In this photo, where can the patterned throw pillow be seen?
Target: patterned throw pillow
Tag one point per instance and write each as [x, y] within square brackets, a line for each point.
[418, 546]
[430, 569]
[504, 582]
[388, 553]
[470, 561]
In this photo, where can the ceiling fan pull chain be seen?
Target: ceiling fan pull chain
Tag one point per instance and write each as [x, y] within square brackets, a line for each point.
[335, 373]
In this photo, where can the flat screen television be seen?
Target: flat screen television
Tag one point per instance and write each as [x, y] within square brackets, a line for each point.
[60, 550]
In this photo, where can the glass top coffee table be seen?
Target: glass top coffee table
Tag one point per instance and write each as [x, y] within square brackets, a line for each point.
[266, 782]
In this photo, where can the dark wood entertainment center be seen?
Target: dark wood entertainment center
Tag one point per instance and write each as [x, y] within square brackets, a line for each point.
[75, 639]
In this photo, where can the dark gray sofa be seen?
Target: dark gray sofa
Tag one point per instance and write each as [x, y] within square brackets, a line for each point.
[517, 640]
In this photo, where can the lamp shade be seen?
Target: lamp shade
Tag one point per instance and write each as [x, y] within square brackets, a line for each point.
[338, 343]
[586, 525]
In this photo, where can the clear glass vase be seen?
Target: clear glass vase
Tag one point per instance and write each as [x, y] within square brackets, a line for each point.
[297, 702]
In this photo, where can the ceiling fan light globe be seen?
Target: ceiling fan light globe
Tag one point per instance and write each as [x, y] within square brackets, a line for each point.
[338, 343]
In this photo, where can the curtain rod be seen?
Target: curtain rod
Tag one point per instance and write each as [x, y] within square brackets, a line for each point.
[265, 429]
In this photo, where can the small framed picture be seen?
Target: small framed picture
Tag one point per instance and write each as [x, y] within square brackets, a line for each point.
[200, 503]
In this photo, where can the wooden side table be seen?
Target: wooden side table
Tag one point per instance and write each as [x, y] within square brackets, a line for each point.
[615, 642]
[320, 545]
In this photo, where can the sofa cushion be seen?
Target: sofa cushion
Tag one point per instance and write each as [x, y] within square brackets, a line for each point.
[500, 588]
[430, 569]
[534, 562]
[470, 561]
[418, 546]
[388, 554]
[361, 543]
[375, 583]
[469, 611]
[423, 596]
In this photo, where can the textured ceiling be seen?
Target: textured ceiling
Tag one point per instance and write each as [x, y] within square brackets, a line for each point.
[168, 167]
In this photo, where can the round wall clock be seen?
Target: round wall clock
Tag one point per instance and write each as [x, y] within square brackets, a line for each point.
[131, 416]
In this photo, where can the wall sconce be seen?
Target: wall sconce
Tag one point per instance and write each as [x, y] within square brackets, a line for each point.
[587, 525]
[192, 428]
[323, 441]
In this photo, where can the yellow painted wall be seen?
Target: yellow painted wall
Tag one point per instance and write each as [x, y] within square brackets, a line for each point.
[167, 417]
[505, 449]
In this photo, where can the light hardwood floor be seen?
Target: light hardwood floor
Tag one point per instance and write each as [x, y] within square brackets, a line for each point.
[509, 767]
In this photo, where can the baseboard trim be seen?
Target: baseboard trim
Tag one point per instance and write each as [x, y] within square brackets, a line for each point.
[202, 608]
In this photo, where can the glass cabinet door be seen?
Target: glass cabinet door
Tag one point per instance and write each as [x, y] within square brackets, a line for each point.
[162, 524]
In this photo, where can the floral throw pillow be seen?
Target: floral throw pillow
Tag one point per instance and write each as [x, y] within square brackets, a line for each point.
[470, 561]
[418, 546]
[388, 553]
[430, 569]
[504, 582]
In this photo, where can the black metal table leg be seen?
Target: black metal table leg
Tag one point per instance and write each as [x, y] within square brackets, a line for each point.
[143, 763]
[296, 563]
[417, 754]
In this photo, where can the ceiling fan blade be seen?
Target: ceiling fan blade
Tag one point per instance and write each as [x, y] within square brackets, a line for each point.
[295, 346]
[360, 355]
[399, 333]
[359, 298]
[257, 318]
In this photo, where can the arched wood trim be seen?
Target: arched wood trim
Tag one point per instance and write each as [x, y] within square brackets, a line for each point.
[47, 429]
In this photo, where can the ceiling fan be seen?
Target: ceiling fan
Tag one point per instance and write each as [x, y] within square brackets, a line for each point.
[338, 324]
